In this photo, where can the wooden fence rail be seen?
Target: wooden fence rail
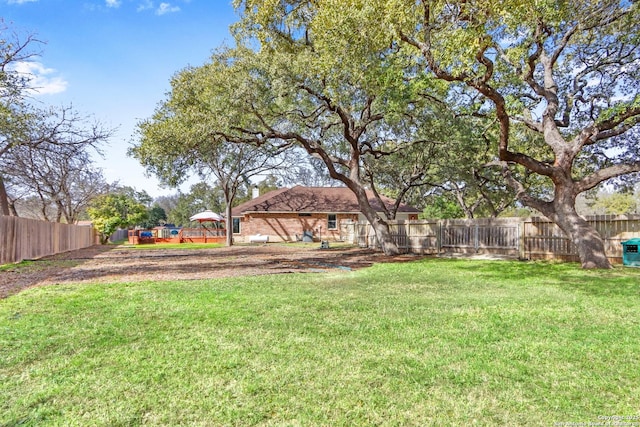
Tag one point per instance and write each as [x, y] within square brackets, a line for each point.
[23, 238]
[526, 238]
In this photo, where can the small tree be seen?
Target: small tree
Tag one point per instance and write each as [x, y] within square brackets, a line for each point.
[201, 196]
[183, 137]
[61, 178]
[112, 211]
[155, 216]
[55, 131]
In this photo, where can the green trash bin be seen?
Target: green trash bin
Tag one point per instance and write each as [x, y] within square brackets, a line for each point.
[630, 254]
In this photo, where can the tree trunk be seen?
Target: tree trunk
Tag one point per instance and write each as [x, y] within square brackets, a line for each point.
[4, 199]
[587, 240]
[12, 208]
[227, 214]
[59, 209]
[380, 227]
[562, 211]
[383, 234]
[229, 191]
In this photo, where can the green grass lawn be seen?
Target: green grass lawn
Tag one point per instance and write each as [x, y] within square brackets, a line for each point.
[29, 266]
[432, 342]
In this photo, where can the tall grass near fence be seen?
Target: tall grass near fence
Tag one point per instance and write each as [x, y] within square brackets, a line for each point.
[435, 342]
[23, 238]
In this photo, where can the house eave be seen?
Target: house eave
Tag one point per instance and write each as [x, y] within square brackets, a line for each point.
[296, 212]
[310, 212]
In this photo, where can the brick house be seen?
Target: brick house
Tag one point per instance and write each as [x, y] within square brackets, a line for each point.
[303, 213]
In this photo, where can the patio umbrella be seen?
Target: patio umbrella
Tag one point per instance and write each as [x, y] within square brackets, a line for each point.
[207, 215]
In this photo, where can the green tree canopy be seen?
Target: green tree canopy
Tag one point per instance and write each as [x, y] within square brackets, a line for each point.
[198, 130]
[201, 196]
[613, 203]
[155, 216]
[110, 212]
[294, 91]
[567, 71]
[442, 207]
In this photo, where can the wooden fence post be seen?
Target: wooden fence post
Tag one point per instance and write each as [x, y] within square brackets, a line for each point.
[521, 237]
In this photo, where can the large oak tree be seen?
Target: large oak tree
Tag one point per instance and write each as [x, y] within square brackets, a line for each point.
[568, 71]
[280, 88]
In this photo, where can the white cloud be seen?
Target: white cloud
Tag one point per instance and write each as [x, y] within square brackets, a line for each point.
[162, 9]
[145, 5]
[41, 80]
[113, 3]
[20, 1]
[166, 8]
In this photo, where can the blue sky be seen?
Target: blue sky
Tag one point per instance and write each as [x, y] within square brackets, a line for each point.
[113, 59]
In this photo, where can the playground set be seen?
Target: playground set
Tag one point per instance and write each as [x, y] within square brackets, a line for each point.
[214, 233]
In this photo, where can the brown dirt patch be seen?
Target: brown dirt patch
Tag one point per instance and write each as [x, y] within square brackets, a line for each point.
[103, 264]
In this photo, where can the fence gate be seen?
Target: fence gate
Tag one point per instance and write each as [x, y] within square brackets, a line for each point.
[480, 235]
[366, 236]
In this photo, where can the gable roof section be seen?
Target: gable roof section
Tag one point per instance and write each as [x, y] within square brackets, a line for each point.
[313, 199]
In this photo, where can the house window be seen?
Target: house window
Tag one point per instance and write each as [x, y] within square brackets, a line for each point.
[236, 225]
[332, 221]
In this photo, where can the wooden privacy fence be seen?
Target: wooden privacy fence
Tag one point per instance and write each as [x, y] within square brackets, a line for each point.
[118, 235]
[23, 238]
[544, 240]
[525, 238]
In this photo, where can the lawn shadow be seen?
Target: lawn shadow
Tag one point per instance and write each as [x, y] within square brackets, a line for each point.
[619, 281]
[135, 265]
[29, 273]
